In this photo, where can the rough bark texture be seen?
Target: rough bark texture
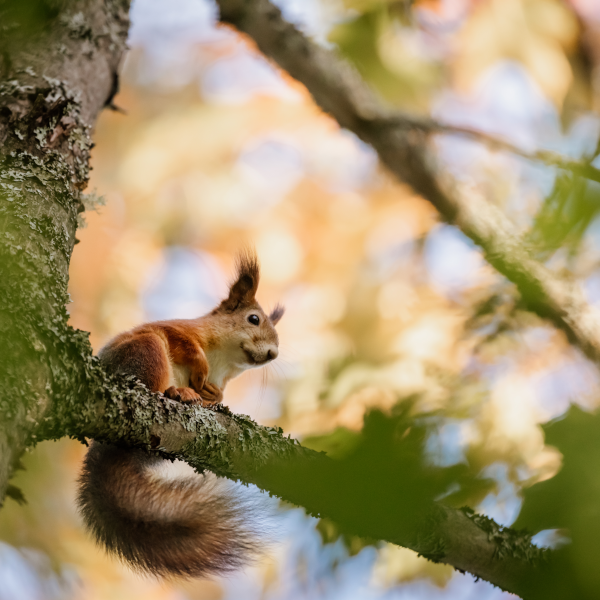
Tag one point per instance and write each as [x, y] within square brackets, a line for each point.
[52, 86]
[56, 77]
[401, 145]
[122, 411]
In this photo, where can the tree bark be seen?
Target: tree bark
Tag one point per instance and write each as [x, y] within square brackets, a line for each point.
[122, 411]
[56, 75]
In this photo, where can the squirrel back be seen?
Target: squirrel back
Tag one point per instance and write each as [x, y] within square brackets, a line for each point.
[189, 525]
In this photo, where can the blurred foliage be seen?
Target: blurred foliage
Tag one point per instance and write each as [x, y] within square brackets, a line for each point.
[390, 459]
[389, 53]
[570, 501]
[47, 467]
[400, 47]
[403, 356]
[566, 215]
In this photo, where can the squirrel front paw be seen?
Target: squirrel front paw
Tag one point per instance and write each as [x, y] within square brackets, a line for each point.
[211, 393]
[182, 394]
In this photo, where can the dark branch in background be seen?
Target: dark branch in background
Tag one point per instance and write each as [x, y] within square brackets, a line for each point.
[402, 147]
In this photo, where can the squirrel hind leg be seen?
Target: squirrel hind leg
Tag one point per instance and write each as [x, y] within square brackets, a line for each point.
[143, 355]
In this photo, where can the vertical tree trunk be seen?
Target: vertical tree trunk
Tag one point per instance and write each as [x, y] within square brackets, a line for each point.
[58, 69]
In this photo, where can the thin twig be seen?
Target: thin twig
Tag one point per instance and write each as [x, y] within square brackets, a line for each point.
[553, 159]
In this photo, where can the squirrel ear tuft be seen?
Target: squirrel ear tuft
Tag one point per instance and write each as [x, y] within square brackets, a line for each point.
[242, 291]
[276, 314]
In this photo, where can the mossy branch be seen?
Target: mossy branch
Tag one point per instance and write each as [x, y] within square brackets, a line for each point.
[122, 411]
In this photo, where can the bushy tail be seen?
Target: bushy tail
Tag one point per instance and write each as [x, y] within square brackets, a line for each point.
[191, 526]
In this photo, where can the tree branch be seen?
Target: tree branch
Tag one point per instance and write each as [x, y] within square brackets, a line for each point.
[401, 146]
[122, 411]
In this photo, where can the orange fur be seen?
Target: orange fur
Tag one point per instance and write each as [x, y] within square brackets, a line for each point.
[190, 360]
[155, 352]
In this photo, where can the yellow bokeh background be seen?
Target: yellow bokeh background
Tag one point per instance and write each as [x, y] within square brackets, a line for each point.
[341, 244]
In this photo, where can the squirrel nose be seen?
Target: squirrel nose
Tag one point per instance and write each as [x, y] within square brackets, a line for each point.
[272, 353]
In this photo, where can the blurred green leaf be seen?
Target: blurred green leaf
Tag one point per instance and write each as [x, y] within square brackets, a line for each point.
[571, 499]
[566, 214]
[331, 533]
[380, 479]
[12, 491]
[337, 444]
[377, 43]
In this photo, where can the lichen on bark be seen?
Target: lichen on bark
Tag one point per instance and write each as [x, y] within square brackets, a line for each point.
[54, 80]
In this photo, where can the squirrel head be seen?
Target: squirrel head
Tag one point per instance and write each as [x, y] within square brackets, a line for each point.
[245, 332]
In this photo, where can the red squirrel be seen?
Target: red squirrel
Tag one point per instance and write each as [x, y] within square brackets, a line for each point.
[179, 526]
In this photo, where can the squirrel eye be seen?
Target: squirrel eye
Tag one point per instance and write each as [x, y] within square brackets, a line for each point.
[253, 319]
